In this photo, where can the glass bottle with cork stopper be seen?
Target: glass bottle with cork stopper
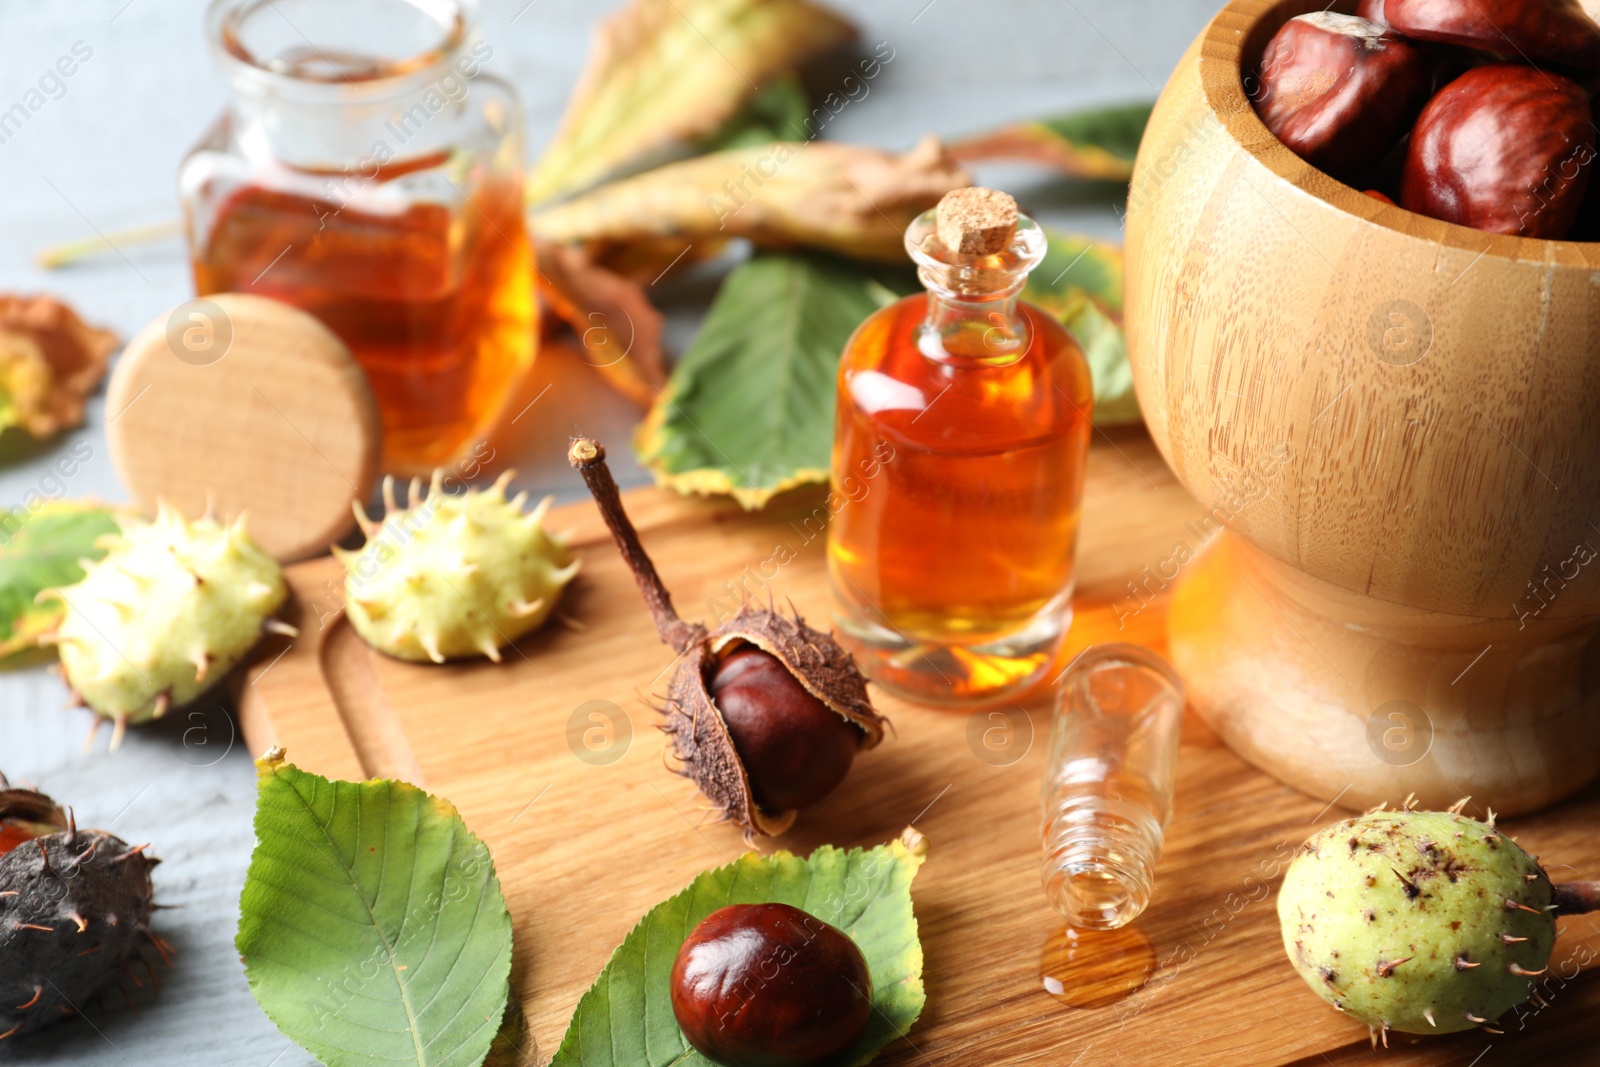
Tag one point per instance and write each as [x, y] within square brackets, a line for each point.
[960, 443]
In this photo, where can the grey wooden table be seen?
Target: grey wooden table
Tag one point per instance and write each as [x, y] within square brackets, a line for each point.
[101, 154]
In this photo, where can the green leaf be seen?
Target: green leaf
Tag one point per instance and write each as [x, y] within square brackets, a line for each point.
[749, 408]
[40, 547]
[1080, 282]
[626, 1020]
[371, 925]
[776, 113]
[1098, 145]
[1106, 349]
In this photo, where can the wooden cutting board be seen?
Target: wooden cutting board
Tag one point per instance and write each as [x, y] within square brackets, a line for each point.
[584, 847]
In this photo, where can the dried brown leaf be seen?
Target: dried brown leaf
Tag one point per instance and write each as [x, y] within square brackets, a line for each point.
[651, 259]
[50, 362]
[619, 329]
[850, 199]
[669, 71]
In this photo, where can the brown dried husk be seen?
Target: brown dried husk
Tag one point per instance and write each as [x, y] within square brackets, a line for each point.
[700, 739]
[27, 805]
[77, 910]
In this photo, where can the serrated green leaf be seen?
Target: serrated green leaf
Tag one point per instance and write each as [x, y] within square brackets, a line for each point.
[626, 1020]
[1099, 145]
[1080, 282]
[39, 549]
[749, 408]
[372, 926]
[1106, 348]
[776, 113]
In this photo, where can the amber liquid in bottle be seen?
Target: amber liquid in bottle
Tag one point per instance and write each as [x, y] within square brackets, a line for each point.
[436, 302]
[961, 437]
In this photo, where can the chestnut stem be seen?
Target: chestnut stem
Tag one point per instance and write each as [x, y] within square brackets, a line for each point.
[1577, 898]
[589, 458]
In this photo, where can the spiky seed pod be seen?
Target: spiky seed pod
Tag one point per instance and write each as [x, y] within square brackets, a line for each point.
[453, 575]
[1423, 922]
[165, 615]
[817, 669]
[74, 911]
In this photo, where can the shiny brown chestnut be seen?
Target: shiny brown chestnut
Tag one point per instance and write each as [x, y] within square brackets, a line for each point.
[1504, 148]
[1372, 11]
[1559, 32]
[794, 747]
[1339, 90]
[767, 985]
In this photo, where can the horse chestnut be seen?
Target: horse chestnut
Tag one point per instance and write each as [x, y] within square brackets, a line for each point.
[795, 749]
[1539, 31]
[1503, 148]
[767, 985]
[789, 695]
[1340, 90]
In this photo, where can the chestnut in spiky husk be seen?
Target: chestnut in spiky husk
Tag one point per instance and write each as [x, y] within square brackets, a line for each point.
[1425, 922]
[764, 713]
[767, 985]
[74, 911]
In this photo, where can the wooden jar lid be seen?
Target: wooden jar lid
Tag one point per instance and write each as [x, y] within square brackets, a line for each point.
[253, 404]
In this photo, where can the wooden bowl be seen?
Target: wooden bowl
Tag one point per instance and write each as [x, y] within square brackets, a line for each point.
[1396, 421]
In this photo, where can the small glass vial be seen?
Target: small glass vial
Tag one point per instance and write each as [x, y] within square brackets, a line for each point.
[1109, 783]
[960, 442]
[368, 170]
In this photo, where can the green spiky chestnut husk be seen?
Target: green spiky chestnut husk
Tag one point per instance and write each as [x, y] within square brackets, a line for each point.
[1425, 922]
[74, 912]
[169, 610]
[453, 576]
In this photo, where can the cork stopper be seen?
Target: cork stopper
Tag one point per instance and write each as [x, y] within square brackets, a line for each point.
[976, 222]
